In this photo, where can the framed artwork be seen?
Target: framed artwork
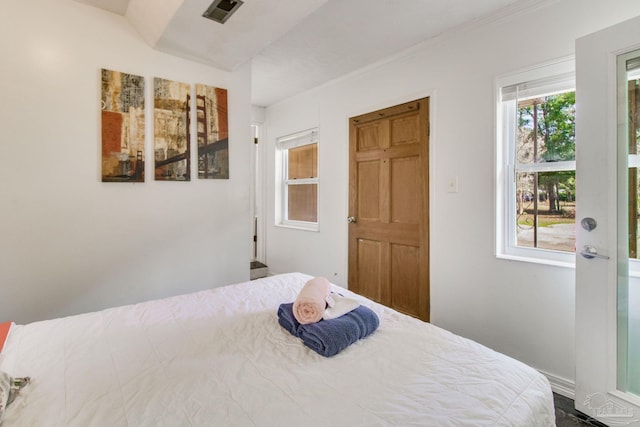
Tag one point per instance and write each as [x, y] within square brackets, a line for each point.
[123, 127]
[171, 119]
[212, 132]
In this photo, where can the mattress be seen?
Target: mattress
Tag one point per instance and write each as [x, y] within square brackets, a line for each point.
[219, 358]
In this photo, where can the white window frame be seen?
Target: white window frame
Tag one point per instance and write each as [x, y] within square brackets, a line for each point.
[283, 145]
[552, 77]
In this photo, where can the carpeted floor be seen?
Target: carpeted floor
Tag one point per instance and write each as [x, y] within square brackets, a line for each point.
[567, 416]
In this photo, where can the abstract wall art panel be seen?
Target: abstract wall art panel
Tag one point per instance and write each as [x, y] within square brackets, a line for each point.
[171, 108]
[213, 132]
[123, 127]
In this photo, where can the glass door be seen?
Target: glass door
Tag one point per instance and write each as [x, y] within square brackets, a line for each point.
[628, 67]
[608, 207]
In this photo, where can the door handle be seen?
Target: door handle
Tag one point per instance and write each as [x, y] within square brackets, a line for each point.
[590, 252]
[351, 219]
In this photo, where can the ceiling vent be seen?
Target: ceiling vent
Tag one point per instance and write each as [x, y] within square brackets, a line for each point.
[221, 10]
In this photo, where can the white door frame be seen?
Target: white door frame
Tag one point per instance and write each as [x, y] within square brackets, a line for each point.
[258, 195]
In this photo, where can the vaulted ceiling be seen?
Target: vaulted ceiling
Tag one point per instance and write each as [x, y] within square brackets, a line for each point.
[295, 45]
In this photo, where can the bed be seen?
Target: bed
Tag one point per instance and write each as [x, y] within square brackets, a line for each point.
[219, 358]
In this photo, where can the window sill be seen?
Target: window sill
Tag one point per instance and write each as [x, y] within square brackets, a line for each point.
[538, 260]
[300, 226]
[634, 265]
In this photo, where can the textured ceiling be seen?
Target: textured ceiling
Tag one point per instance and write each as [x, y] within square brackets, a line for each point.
[295, 45]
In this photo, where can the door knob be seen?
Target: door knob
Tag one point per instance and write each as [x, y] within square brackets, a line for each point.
[351, 219]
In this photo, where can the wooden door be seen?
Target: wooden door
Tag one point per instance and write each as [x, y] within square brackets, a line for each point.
[389, 207]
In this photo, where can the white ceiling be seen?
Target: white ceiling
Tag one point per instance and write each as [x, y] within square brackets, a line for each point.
[295, 45]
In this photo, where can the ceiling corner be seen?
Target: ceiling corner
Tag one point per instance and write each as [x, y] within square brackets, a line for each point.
[152, 17]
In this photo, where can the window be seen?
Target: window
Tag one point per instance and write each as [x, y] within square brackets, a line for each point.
[536, 164]
[298, 157]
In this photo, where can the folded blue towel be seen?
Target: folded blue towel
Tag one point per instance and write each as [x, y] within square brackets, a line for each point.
[330, 337]
[286, 318]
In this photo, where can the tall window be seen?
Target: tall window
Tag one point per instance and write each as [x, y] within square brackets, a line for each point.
[537, 164]
[298, 155]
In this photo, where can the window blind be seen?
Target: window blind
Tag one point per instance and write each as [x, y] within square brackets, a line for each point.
[298, 139]
[633, 64]
[541, 87]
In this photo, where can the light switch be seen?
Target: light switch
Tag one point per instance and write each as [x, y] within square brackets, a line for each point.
[452, 185]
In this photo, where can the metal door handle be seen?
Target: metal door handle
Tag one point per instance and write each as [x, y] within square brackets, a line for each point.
[351, 219]
[590, 252]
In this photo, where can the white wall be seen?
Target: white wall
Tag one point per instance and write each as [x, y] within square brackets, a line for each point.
[68, 242]
[524, 310]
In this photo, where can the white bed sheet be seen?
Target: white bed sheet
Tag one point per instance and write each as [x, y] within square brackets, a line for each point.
[220, 358]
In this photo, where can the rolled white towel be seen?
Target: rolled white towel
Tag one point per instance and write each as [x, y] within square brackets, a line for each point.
[338, 305]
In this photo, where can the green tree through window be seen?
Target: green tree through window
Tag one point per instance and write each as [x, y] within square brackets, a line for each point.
[546, 182]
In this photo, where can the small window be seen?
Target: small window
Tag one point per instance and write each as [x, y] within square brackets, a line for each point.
[536, 165]
[298, 157]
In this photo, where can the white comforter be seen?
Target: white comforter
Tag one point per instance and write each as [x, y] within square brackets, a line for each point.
[219, 358]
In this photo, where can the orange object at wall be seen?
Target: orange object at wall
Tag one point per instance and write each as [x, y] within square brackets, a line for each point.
[4, 331]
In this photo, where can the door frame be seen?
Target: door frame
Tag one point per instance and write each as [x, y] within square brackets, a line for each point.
[258, 193]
